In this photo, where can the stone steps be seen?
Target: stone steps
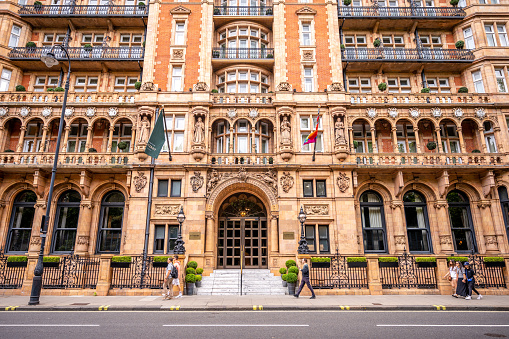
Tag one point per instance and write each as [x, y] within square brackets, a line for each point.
[254, 282]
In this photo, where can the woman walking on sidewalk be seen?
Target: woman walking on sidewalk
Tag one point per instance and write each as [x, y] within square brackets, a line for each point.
[470, 281]
[452, 275]
[461, 289]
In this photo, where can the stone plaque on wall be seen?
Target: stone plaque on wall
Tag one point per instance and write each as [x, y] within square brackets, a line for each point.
[288, 235]
[194, 235]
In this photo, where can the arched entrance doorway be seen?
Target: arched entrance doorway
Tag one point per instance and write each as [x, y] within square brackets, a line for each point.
[242, 228]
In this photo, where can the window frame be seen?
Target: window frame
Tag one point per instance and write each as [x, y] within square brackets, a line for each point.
[415, 205]
[383, 229]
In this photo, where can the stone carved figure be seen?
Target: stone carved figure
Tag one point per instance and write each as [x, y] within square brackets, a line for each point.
[316, 209]
[339, 131]
[144, 130]
[343, 182]
[270, 178]
[196, 181]
[286, 129]
[212, 180]
[140, 181]
[287, 182]
[199, 131]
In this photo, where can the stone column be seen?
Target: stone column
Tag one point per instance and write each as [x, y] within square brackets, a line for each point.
[66, 138]
[444, 231]
[374, 283]
[398, 226]
[274, 236]
[394, 140]
[490, 238]
[209, 234]
[104, 281]
[350, 134]
[417, 141]
[133, 139]
[498, 139]
[43, 139]
[373, 139]
[439, 140]
[462, 141]
[231, 140]
[253, 145]
[444, 286]
[35, 240]
[21, 139]
[110, 139]
[483, 141]
[83, 231]
[2, 129]
[89, 137]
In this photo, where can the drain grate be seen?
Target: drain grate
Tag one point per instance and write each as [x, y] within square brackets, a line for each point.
[80, 304]
[495, 335]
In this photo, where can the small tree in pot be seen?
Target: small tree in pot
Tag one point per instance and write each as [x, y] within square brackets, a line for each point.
[284, 277]
[382, 86]
[20, 88]
[431, 145]
[122, 145]
[377, 42]
[198, 280]
[462, 90]
[347, 2]
[190, 280]
[137, 85]
[454, 2]
[291, 280]
[460, 44]
[425, 90]
[87, 47]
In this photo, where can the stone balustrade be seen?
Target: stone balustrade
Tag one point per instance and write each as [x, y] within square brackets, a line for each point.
[79, 159]
[242, 159]
[418, 98]
[431, 159]
[73, 97]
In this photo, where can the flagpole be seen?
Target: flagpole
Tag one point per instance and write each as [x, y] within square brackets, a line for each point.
[316, 140]
[166, 134]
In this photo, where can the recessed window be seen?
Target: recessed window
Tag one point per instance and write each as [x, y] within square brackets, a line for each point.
[312, 186]
[162, 188]
[320, 232]
[175, 127]
[175, 188]
[5, 80]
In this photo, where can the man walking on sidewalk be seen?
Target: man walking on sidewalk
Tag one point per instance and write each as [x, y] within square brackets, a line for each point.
[167, 285]
[305, 279]
[470, 281]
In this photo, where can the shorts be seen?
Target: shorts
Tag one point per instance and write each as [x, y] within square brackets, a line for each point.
[176, 281]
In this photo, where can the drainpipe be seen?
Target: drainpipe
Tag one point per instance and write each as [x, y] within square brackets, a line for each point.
[423, 78]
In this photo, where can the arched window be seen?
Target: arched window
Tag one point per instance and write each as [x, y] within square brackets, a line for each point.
[417, 224]
[110, 223]
[22, 217]
[373, 222]
[66, 222]
[504, 201]
[461, 222]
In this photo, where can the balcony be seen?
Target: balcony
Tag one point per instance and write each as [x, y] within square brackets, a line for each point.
[95, 58]
[369, 99]
[242, 159]
[222, 57]
[85, 16]
[240, 98]
[428, 159]
[72, 98]
[406, 59]
[400, 17]
[263, 13]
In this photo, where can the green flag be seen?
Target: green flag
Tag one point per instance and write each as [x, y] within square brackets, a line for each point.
[156, 140]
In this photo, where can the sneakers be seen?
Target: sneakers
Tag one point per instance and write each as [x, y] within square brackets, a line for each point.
[479, 297]
[163, 294]
[179, 296]
[468, 298]
[313, 297]
[455, 295]
[295, 295]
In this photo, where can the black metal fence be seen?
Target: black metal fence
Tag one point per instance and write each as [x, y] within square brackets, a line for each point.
[137, 275]
[407, 274]
[487, 276]
[401, 12]
[11, 277]
[71, 272]
[337, 274]
[95, 53]
[86, 10]
[405, 54]
[243, 10]
[243, 53]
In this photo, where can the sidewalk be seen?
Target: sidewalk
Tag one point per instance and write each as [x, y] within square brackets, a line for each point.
[239, 303]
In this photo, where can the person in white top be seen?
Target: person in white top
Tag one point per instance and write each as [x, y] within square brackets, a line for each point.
[452, 275]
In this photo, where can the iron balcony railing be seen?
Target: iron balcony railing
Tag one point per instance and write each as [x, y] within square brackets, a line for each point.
[80, 53]
[243, 53]
[401, 12]
[87, 10]
[407, 54]
[243, 10]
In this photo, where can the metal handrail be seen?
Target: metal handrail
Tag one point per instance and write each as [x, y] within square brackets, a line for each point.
[92, 53]
[83, 10]
[243, 10]
[397, 12]
[403, 54]
[242, 53]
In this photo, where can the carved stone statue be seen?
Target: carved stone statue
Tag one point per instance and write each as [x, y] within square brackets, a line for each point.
[286, 136]
[339, 127]
[144, 130]
[199, 131]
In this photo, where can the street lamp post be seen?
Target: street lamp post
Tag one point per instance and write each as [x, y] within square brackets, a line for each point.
[50, 60]
[303, 244]
[179, 243]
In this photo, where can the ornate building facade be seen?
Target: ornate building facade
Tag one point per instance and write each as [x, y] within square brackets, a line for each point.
[411, 155]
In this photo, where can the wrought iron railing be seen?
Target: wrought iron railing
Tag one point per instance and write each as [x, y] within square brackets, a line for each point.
[87, 10]
[486, 276]
[406, 54]
[407, 274]
[243, 10]
[11, 277]
[80, 53]
[242, 53]
[399, 12]
[72, 271]
[138, 274]
[337, 274]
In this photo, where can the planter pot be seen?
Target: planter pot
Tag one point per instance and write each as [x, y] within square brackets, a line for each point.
[121, 264]
[320, 264]
[189, 288]
[357, 264]
[198, 284]
[17, 264]
[426, 264]
[291, 288]
[50, 264]
[494, 264]
[159, 264]
[388, 264]
[285, 284]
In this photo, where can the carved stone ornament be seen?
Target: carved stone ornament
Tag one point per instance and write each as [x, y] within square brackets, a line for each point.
[232, 113]
[490, 240]
[483, 204]
[343, 182]
[178, 54]
[284, 87]
[69, 111]
[400, 240]
[436, 112]
[308, 55]
[371, 112]
[480, 112]
[316, 209]
[83, 240]
[336, 87]
[201, 87]
[445, 240]
[414, 112]
[162, 210]
[35, 241]
[46, 111]
[439, 204]
[287, 181]
[112, 112]
[458, 112]
[253, 113]
[214, 178]
[196, 181]
[148, 86]
[3, 111]
[393, 112]
[140, 181]
[24, 111]
[90, 112]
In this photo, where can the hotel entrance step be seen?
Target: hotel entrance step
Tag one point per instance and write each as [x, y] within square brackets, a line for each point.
[254, 282]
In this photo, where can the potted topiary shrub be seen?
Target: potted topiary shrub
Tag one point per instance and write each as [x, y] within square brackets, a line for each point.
[293, 269]
[87, 47]
[494, 262]
[122, 145]
[291, 281]
[215, 54]
[290, 263]
[476, 151]
[283, 277]
[198, 280]
[214, 91]
[160, 261]
[347, 2]
[8, 151]
[431, 145]
[454, 2]
[460, 44]
[199, 271]
[38, 5]
[382, 86]
[30, 46]
[92, 150]
[388, 262]
[377, 43]
[356, 262]
[342, 46]
[217, 11]
[121, 261]
[425, 90]
[51, 261]
[190, 280]
[192, 264]
[268, 12]
[462, 90]
[271, 160]
[190, 270]
[320, 262]
[137, 85]
[59, 89]
[141, 5]
[50, 90]
[426, 261]
[270, 56]
[282, 271]
[17, 261]
[20, 88]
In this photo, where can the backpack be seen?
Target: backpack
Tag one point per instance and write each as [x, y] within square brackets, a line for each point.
[174, 272]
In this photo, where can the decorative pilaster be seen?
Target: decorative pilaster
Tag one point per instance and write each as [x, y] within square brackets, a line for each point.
[21, 139]
[444, 231]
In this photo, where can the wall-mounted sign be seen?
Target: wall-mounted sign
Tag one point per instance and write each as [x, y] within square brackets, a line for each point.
[194, 235]
[288, 235]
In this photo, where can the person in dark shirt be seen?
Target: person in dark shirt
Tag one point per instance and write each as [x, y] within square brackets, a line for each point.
[305, 279]
[469, 279]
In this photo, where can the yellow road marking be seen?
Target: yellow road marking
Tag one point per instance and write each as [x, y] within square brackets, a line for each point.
[176, 308]
[11, 308]
[257, 307]
[103, 307]
[440, 307]
[344, 307]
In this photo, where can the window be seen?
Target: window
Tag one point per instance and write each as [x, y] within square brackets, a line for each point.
[53, 38]
[5, 80]
[15, 35]
[320, 232]
[122, 132]
[20, 226]
[469, 38]
[180, 33]
[308, 79]
[86, 84]
[438, 85]
[66, 222]
[42, 83]
[243, 81]
[308, 124]
[478, 83]
[489, 137]
[362, 135]
[450, 138]
[319, 185]
[502, 35]
[399, 85]
[175, 188]
[306, 34]
[490, 35]
[33, 136]
[501, 82]
[110, 223]
[373, 222]
[176, 79]
[406, 138]
[359, 85]
[125, 84]
[461, 222]
[308, 188]
[163, 232]
[504, 201]
[417, 224]
[175, 127]
[95, 39]
[77, 138]
[162, 188]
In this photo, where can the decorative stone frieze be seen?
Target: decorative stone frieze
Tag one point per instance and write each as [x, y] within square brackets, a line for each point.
[371, 112]
[201, 87]
[480, 112]
[336, 87]
[196, 181]
[69, 111]
[316, 209]
[90, 112]
[458, 112]
[3, 111]
[46, 111]
[284, 87]
[414, 112]
[343, 182]
[393, 112]
[112, 112]
[166, 209]
[287, 181]
[445, 240]
[24, 111]
[436, 112]
[140, 181]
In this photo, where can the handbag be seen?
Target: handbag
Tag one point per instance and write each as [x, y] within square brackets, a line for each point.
[449, 278]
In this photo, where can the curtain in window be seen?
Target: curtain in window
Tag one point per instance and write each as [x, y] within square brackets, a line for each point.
[375, 217]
